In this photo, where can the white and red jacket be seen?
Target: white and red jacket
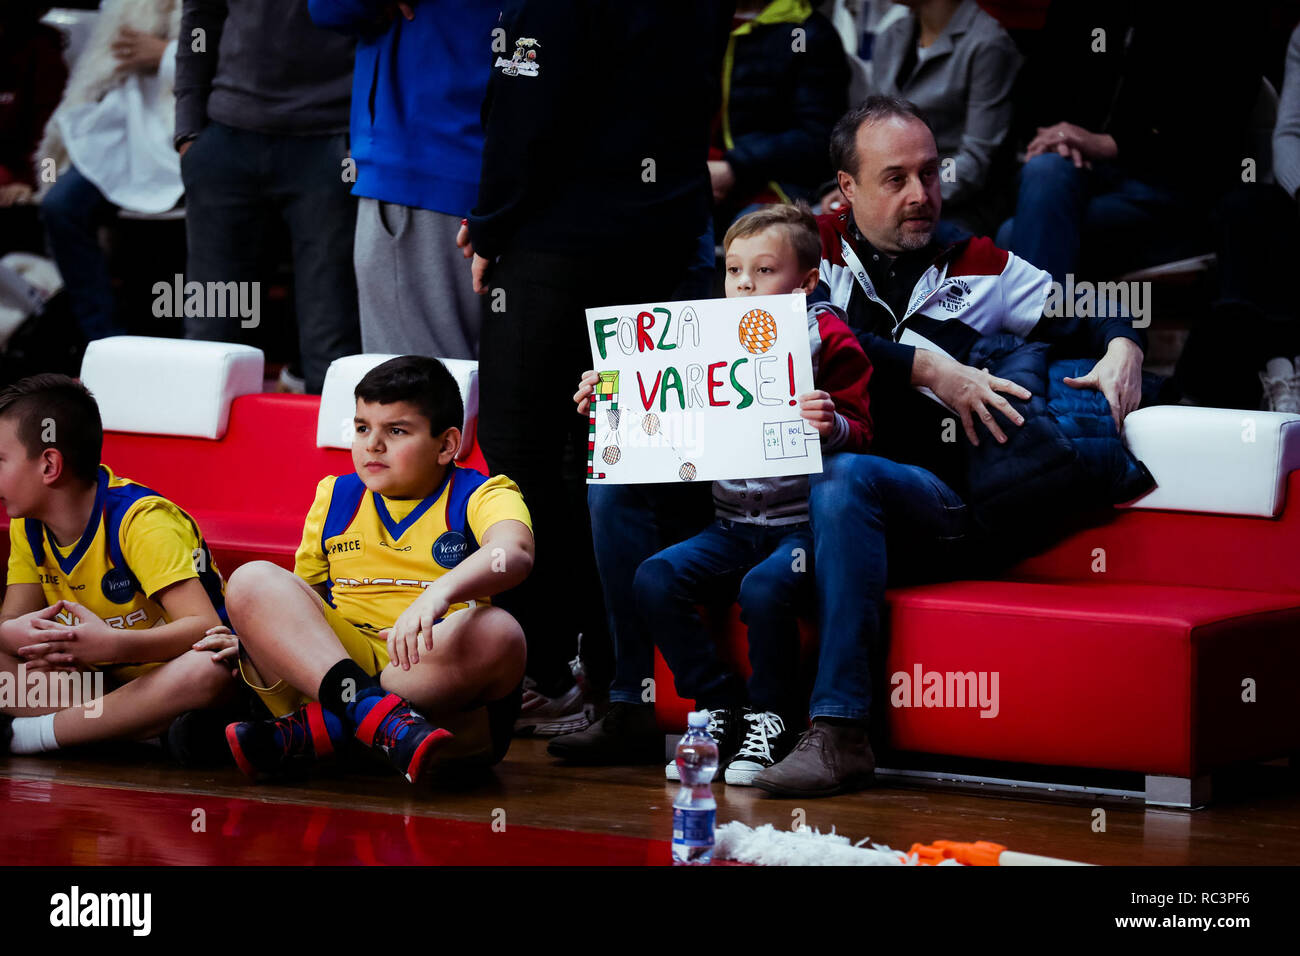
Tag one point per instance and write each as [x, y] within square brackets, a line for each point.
[971, 289]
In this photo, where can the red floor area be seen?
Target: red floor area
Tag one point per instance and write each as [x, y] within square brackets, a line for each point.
[53, 824]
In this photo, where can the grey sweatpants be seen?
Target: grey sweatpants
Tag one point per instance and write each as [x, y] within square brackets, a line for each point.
[414, 285]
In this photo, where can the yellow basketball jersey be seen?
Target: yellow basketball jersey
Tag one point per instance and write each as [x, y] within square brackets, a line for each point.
[136, 544]
[377, 554]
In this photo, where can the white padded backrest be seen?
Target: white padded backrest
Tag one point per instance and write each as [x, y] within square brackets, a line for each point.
[338, 404]
[1215, 460]
[169, 386]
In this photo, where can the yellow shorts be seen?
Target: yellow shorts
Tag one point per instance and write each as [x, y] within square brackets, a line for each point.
[362, 644]
[121, 674]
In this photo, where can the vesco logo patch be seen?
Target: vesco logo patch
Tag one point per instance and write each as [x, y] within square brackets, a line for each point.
[450, 549]
[118, 585]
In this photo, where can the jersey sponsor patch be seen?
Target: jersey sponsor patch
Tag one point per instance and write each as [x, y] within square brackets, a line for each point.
[118, 585]
[345, 546]
[450, 549]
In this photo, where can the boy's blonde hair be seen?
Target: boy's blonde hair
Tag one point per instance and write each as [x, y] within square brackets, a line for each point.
[795, 219]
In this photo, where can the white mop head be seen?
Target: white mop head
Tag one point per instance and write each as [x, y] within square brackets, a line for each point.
[768, 846]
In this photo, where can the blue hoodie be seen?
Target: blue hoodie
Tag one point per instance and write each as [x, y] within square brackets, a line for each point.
[417, 89]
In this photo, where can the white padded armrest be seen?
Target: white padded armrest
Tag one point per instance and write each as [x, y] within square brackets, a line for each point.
[338, 404]
[169, 386]
[1215, 460]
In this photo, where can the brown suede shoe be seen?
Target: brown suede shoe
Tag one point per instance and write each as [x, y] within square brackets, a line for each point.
[828, 759]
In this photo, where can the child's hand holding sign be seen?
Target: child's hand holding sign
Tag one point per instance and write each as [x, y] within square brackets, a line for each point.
[818, 408]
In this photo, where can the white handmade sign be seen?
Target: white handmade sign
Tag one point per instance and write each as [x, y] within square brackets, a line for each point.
[701, 390]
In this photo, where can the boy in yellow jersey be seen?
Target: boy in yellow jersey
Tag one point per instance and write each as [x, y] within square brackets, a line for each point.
[110, 591]
[386, 617]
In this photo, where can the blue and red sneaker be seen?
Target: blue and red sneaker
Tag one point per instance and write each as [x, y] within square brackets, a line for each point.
[393, 726]
[286, 746]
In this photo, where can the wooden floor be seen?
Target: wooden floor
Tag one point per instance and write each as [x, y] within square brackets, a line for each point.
[1256, 819]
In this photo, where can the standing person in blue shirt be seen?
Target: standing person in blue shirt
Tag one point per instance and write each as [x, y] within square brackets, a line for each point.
[421, 72]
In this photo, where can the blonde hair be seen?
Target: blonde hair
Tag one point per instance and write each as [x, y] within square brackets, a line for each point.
[795, 219]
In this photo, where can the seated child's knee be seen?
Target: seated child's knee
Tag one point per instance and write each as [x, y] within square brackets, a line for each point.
[200, 678]
[249, 580]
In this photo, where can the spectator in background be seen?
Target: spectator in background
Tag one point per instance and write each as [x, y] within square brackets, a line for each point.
[418, 84]
[262, 100]
[1257, 239]
[958, 65]
[109, 140]
[785, 83]
[594, 192]
[32, 75]
[1166, 134]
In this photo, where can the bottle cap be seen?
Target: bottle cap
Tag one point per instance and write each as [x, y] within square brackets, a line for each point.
[698, 718]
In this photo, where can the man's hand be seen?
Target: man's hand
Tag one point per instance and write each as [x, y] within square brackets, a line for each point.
[1074, 143]
[13, 194]
[415, 622]
[137, 52]
[586, 389]
[819, 408]
[722, 177]
[89, 641]
[479, 268]
[1118, 376]
[223, 644]
[968, 391]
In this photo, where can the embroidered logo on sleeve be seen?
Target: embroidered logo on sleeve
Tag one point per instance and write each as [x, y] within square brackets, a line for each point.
[523, 62]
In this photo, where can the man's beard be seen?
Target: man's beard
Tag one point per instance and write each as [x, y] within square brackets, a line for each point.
[910, 240]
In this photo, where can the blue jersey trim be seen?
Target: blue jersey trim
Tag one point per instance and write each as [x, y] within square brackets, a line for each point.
[398, 528]
[87, 536]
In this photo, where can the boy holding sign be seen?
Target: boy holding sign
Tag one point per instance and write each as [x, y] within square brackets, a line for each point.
[759, 548]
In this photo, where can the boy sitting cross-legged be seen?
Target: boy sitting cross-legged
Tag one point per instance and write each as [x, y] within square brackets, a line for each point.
[384, 632]
[110, 590]
[759, 549]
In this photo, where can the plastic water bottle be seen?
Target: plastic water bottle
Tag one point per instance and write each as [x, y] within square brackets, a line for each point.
[695, 810]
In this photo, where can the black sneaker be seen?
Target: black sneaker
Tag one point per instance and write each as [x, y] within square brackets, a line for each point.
[197, 739]
[627, 734]
[766, 743]
[6, 732]
[724, 728]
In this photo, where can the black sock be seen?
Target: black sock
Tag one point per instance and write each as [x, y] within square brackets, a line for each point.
[343, 683]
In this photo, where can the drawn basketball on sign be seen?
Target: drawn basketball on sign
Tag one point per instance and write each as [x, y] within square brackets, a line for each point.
[757, 331]
[650, 424]
[611, 454]
[686, 472]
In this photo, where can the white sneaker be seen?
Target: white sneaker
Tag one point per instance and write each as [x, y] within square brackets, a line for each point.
[720, 730]
[762, 749]
[541, 716]
[1281, 382]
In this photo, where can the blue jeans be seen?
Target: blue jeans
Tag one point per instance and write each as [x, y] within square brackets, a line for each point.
[629, 523]
[769, 571]
[73, 211]
[1119, 222]
[875, 522]
[235, 179]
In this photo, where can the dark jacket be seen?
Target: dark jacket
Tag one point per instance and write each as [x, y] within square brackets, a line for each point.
[32, 76]
[265, 67]
[598, 143]
[783, 93]
[1066, 460]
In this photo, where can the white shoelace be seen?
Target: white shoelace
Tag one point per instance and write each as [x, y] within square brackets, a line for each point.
[762, 727]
